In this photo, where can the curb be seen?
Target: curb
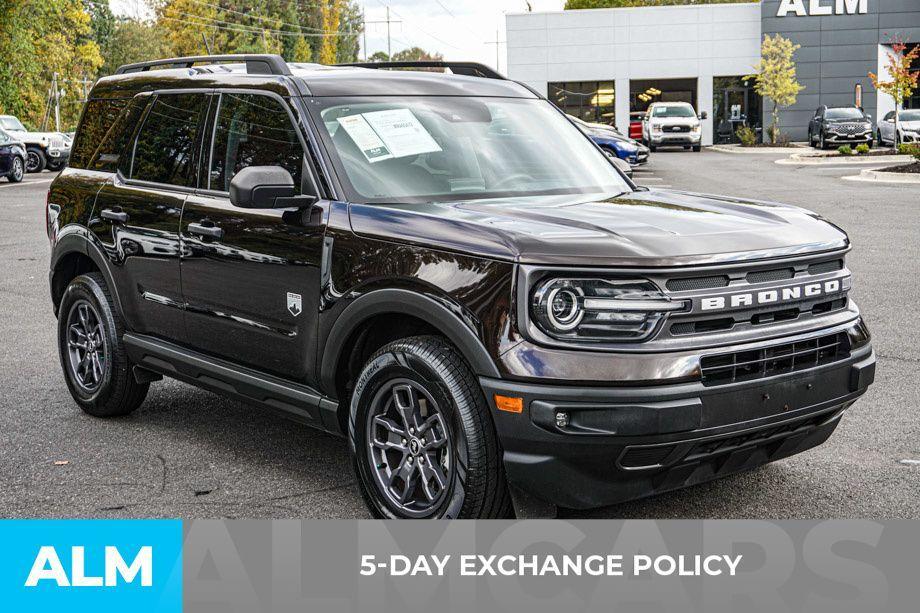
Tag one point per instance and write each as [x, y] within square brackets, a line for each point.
[797, 159]
[877, 176]
[749, 150]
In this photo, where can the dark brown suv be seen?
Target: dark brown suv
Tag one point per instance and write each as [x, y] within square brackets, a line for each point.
[445, 270]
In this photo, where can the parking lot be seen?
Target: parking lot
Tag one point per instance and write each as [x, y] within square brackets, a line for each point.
[187, 453]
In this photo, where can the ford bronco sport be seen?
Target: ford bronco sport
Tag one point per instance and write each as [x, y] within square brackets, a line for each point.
[443, 269]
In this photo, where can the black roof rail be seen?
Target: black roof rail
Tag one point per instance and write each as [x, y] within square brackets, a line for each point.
[469, 69]
[256, 63]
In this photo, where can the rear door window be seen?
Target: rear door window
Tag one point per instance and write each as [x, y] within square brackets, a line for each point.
[167, 145]
[252, 130]
[98, 119]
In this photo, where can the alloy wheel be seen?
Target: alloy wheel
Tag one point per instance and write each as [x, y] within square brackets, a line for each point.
[86, 346]
[17, 169]
[32, 161]
[409, 447]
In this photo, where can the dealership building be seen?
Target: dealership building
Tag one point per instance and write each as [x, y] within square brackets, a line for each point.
[603, 64]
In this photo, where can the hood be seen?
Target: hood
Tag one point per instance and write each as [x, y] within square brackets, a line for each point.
[912, 126]
[642, 228]
[670, 121]
[34, 137]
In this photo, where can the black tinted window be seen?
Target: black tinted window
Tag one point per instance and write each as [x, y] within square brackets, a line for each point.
[113, 152]
[253, 130]
[165, 147]
[98, 119]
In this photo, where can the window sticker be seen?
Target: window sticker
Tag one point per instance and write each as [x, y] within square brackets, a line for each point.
[365, 138]
[402, 132]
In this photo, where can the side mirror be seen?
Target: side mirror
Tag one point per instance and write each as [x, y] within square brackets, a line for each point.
[704, 115]
[868, 117]
[265, 187]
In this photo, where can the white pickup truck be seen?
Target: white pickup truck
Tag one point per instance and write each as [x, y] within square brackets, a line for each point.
[49, 150]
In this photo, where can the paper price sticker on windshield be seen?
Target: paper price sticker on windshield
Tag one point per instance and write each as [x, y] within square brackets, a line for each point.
[402, 132]
[365, 138]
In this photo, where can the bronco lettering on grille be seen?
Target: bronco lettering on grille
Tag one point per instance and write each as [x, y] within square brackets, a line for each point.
[770, 296]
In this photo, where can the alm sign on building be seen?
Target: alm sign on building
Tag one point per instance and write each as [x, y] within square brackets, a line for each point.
[822, 7]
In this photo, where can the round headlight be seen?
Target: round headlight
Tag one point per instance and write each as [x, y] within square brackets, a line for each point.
[564, 312]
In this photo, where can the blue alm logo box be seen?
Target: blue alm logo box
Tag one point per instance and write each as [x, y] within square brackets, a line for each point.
[91, 565]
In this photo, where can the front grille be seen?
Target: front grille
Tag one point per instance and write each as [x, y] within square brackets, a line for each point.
[848, 129]
[676, 129]
[57, 141]
[776, 360]
[823, 267]
[777, 274]
[682, 285]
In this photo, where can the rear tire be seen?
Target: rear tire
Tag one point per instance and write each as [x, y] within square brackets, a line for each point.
[422, 438]
[93, 357]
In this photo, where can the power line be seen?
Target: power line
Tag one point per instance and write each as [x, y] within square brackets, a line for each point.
[260, 17]
[448, 11]
[249, 30]
[420, 29]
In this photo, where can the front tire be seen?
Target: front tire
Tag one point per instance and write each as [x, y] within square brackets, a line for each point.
[35, 159]
[17, 171]
[421, 436]
[697, 148]
[93, 357]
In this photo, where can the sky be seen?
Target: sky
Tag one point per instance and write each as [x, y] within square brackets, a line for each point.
[459, 30]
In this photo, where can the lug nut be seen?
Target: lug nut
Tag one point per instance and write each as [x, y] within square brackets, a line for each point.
[421, 459]
[404, 442]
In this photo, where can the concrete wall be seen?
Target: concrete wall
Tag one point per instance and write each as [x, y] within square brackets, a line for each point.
[838, 51]
[635, 43]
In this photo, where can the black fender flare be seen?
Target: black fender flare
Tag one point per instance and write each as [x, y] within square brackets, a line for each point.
[404, 302]
[78, 243]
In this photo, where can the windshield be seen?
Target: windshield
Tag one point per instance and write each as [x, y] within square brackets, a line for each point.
[429, 149]
[11, 123]
[909, 116]
[673, 111]
[846, 113]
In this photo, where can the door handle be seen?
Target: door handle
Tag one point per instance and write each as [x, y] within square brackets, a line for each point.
[208, 231]
[116, 215]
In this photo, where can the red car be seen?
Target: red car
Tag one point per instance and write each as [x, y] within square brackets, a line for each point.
[635, 125]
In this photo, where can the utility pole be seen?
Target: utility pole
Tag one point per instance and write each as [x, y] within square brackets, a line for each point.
[496, 42]
[387, 21]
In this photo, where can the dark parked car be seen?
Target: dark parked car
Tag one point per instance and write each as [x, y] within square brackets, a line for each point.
[444, 270]
[610, 140]
[841, 125]
[12, 157]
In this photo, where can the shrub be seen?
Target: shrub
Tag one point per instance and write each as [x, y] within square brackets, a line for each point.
[862, 149]
[746, 135]
[910, 149]
[845, 150]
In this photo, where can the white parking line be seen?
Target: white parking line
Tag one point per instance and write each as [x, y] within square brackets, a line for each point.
[27, 182]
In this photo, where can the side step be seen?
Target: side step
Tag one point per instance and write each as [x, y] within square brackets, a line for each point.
[293, 400]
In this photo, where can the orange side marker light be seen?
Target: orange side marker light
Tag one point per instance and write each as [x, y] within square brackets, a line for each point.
[509, 404]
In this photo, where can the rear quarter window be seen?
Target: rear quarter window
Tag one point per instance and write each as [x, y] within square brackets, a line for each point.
[98, 118]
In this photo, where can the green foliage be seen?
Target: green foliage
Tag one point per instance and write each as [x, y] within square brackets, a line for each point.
[746, 135]
[776, 77]
[862, 149]
[379, 56]
[910, 149]
[602, 4]
[845, 150]
[415, 54]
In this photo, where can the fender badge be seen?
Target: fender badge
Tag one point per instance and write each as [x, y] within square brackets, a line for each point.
[294, 304]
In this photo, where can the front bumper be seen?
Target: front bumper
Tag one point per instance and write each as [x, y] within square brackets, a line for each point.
[831, 137]
[676, 138]
[622, 443]
[59, 154]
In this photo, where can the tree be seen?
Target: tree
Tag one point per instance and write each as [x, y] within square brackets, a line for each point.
[775, 77]
[331, 12]
[379, 56]
[414, 54]
[134, 41]
[903, 80]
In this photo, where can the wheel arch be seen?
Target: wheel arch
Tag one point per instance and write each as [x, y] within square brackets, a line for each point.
[74, 255]
[399, 309]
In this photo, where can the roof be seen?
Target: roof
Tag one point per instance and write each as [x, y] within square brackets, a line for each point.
[310, 80]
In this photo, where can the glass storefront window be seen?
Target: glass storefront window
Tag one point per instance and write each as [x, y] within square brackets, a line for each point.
[734, 104]
[592, 101]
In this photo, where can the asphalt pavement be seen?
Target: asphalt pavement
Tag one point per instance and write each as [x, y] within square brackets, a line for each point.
[190, 454]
